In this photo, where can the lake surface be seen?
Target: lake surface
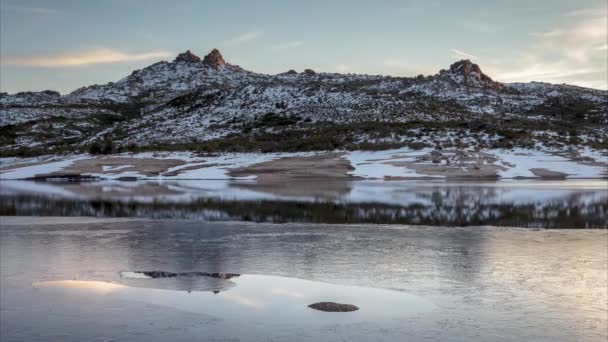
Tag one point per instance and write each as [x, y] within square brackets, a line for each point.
[241, 260]
[75, 279]
[512, 203]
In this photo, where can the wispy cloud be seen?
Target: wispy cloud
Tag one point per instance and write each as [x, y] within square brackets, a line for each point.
[34, 10]
[585, 12]
[548, 34]
[80, 58]
[573, 53]
[461, 54]
[288, 45]
[243, 38]
[552, 72]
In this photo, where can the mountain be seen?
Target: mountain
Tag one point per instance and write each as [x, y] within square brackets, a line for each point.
[209, 104]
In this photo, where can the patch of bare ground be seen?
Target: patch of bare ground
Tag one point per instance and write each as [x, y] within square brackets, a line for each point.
[291, 176]
[325, 166]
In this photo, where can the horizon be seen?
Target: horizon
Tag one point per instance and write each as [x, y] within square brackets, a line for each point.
[554, 41]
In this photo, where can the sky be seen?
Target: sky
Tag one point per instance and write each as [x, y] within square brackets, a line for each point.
[66, 44]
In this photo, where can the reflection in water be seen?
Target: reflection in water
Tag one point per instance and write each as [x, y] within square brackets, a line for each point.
[260, 298]
[163, 274]
[555, 204]
[96, 286]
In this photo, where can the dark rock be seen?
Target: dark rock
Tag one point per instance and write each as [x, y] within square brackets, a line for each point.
[333, 307]
[127, 179]
[309, 72]
[159, 274]
[290, 72]
[188, 57]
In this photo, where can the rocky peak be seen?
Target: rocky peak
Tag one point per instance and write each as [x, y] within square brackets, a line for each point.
[465, 71]
[214, 59]
[469, 71]
[188, 57]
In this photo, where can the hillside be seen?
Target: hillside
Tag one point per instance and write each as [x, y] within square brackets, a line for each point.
[207, 104]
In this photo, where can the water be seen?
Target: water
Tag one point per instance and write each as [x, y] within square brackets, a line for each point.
[533, 204]
[61, 281]
[423, 260]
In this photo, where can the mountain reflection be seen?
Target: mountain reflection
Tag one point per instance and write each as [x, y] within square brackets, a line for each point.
[559, 205]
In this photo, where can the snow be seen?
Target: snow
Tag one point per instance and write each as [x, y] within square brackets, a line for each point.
[45, 168]
[519, 162]
[374, 164]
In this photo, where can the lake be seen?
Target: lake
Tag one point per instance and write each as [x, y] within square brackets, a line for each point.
[422, 260]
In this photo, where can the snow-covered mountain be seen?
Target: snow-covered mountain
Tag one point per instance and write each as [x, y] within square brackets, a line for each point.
[213, 105]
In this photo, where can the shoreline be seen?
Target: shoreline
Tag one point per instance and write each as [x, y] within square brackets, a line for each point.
[271, 168]
[22, 220]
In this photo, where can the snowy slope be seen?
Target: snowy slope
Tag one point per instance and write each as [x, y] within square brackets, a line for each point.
[193, 99]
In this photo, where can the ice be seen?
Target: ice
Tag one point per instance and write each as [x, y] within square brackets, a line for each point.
[41, 169]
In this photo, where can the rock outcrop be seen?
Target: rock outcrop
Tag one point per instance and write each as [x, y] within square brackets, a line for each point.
[465, 71]
[188, 57]
[214, 59]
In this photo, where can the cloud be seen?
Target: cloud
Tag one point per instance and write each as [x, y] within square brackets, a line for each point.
[585, 12]
[547, 34]
[74, 59]
[289, 45]
[603, 47]
[573, 53]
[34, 10]
[343, 68]
[461, 54]
[547, 72]
[243, 38]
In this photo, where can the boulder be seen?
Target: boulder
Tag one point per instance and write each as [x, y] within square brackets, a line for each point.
[333, 307]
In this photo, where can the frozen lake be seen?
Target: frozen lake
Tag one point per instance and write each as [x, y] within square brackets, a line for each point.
[61, 281]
